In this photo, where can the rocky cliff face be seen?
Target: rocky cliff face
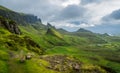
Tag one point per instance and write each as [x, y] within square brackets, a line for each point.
[31, 18]
[19, 17]
[50, 26]
[9, 25]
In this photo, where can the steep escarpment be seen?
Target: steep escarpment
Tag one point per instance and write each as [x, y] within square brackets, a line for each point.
[53, 31]
[19, 17]
[9, 25]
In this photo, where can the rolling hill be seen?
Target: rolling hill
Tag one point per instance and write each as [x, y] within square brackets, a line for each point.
[28, 46]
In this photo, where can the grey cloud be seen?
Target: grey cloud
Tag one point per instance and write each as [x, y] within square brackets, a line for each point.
[77, 22]
[46, 10]
[42, 8]
[90, 1]
[109, 23]
[115, 15]
[112, 19]
[71, 12]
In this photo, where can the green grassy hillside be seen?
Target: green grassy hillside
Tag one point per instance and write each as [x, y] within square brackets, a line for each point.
[42, 49]
[82, 49]
[14, 48]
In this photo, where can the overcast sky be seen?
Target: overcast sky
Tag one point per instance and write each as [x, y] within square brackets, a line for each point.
[71, 14]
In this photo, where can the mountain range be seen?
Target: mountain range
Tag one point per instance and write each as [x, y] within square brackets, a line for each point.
[29, 46]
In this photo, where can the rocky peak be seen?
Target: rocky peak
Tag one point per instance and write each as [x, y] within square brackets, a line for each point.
[83, 30]
[21, 18]
[50, 26]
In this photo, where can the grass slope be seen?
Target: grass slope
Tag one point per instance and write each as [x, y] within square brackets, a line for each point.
[53, 32]
[83, 49]
[53, 51]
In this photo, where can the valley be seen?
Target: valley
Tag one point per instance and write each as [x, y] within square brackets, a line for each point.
[29, 46]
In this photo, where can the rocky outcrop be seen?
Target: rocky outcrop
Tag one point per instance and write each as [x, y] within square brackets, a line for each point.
[31, 18]
[66, 64]
[63, 64]
[9, 25]
[50, 26]
[54, 32]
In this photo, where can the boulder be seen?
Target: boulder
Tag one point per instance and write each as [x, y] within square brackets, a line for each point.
[28, 56]
[22, 59]
[76, 67]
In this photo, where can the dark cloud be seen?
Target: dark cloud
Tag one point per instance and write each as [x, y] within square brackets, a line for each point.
[47, 10]
[115, 15]
[90, 1]
[71, 12]
[42, 8]
[109, 24]
[77, 22]
[54, 11]
[112, 19]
